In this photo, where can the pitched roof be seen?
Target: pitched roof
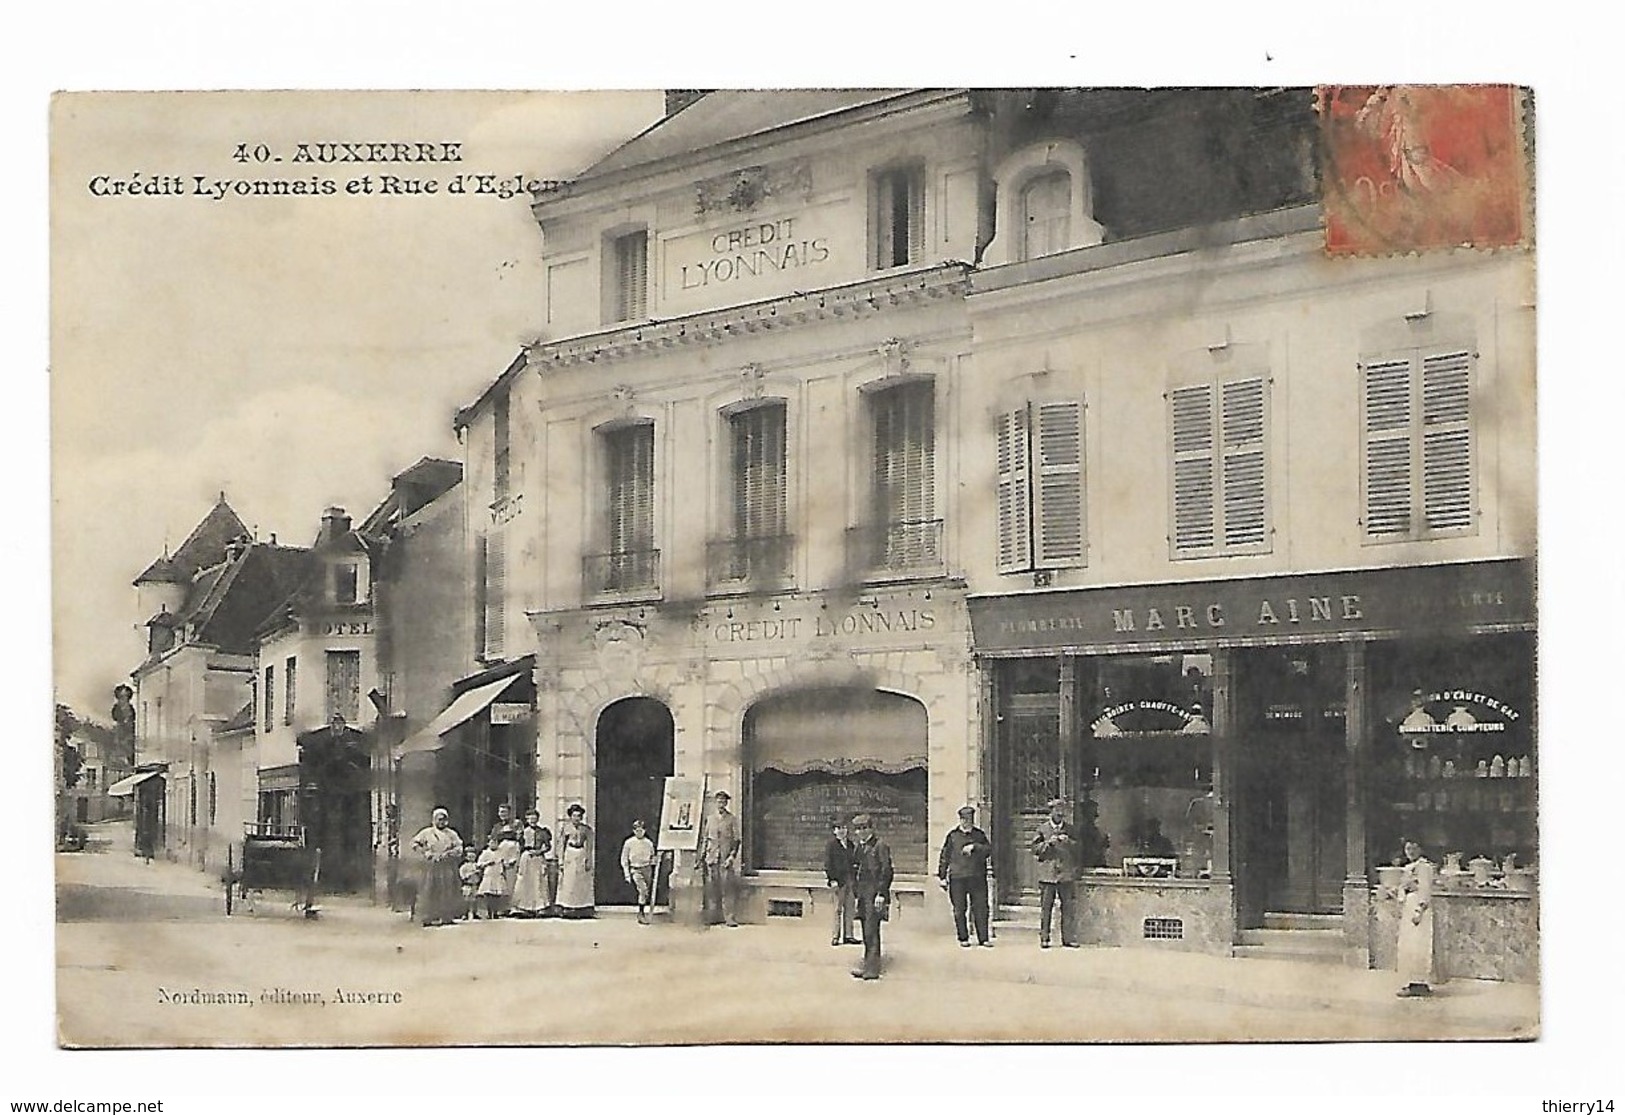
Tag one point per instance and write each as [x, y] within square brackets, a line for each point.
[228, 603]
[730, 114]
[241, 719]
[205, 546]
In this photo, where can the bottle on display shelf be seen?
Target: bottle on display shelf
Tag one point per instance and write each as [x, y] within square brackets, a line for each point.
[1498, 767]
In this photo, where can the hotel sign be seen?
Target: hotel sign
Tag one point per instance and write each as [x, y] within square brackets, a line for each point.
[1423, 600]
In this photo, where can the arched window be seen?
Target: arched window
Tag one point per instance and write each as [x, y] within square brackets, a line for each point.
[1046, 215]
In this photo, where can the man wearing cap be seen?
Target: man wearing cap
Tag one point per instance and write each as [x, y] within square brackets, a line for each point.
[871, 883]
[839, 854]
[719, 862]
[1056, 846]
[962, 871]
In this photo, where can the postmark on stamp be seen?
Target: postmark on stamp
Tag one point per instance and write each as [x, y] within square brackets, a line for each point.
[1409, 168]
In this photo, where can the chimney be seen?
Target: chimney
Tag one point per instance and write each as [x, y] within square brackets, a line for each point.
[679, 99]
[236, 547]
[335, 525]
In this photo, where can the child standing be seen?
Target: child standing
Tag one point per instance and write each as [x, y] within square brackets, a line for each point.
[468, 872]
[493, 888]
[638, 865]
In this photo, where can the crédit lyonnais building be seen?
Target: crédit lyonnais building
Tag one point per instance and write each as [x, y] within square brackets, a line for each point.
[886, 451]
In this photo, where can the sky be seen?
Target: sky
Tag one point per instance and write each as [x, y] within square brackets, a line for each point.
[290, 352]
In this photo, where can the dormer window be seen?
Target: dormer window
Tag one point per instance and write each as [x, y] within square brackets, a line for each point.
[346, 583]
[897, 216]
[1043, 203]
[1046, 211]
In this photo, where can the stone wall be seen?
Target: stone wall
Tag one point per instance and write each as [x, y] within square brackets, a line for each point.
[1115, 913]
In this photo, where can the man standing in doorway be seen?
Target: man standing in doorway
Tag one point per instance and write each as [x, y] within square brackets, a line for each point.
[871, 883]
[719, 863]
[839, 856]
[962, 871]
[1056, 846]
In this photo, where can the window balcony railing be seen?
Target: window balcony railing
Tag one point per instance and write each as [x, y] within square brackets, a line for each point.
[625, 571]
[749, 562]
[904, 548]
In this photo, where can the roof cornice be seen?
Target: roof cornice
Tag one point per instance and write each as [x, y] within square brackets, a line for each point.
[883, 294]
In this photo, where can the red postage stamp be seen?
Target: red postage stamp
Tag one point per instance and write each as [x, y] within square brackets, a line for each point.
[1409, 168]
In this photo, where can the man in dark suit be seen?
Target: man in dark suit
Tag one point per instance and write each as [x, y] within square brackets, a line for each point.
[871, 883]
[1056, 846]
[840, 856]
[962, 871]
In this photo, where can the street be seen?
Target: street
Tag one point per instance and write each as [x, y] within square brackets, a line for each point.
[147, 957]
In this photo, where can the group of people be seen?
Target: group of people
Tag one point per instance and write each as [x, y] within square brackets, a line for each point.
[962, 869]
[858, 868]
[521, 871]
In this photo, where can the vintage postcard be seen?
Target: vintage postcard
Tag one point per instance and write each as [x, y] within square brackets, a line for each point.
[709, 566]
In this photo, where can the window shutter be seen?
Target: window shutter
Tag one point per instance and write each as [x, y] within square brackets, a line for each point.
[914, 184]
[1191, 422]
[1242, 428]
[481, 596]
[1447, 477]
[632, 276]
[1386, 396]
[1012, 493]
[344, 685]
[631, 488]
[496, 594]
[1047, 216]
[759, 473]
[1058, 472]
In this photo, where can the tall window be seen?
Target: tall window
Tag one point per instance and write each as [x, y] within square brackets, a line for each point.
[493, 589]
[344, 685]
[757, 546]
[290, 674]
[905, 532]
[629, 459]
[1218, 435]
[898, 216]
[268, 699]
[500, 444]
[1039, 487]
[1046, 215]
[1417, 458]
[629, 276]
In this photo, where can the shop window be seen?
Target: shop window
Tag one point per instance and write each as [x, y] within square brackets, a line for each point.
[1219, 443]
[1417, 458]
[290, 674]
[815, 755]
[1454, 753]
[268, 698]
[897, 216]
[1147, 754]
[1039, 487]
[630, 563]
[757, 548]
[1046, 212]
[628, 277]
[903, 534]
[344, 685]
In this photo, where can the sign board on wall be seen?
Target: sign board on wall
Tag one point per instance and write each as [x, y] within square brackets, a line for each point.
[682, 804]
[745, 257]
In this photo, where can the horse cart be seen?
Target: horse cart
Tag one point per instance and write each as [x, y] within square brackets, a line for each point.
[275, 857]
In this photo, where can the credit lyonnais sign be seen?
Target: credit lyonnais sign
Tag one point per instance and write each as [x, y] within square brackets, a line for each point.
[1429, 599]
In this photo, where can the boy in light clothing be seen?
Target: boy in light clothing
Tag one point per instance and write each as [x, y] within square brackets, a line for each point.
[638, 865]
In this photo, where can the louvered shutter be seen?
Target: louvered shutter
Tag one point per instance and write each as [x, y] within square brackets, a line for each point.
[481, 596]
[905, 472]
[1386, 398]
[914, 184]
[1191, 422]
[1013, 507]
[1058, 478]
[496, 594]
[1242, 461]
[1447, 476]
[759, 477]
[631, 276]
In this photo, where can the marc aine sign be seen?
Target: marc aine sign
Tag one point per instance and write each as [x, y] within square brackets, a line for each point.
[1467, 597]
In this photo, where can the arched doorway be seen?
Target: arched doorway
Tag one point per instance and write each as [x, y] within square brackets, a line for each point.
[815, 755]
[634, 757]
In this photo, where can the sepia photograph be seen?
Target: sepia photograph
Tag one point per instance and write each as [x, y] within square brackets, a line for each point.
[795, 565]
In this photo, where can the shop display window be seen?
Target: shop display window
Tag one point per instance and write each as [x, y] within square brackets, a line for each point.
[1455, 756]
[1147, 748]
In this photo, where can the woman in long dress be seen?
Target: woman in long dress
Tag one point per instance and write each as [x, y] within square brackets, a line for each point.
[1416, 923]
[575, 865]
[440, 891]
[534, 884]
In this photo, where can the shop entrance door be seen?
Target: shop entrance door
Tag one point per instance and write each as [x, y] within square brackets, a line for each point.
[1291, 835]
[635, 756]
[1033, 769]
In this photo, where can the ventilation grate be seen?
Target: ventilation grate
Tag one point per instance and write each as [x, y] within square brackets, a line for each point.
[783, 908]
[1164, 929]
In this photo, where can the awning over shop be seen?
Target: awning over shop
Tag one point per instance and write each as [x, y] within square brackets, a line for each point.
[125, 787]
[465, 707]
